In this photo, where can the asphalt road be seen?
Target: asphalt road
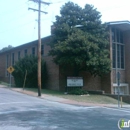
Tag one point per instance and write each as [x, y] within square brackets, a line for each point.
[22, 112]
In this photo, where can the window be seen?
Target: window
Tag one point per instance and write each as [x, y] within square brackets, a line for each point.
[118, 49]
[114, 55]
[19, 54]
[33, 51]
[7, 65]
[42, 50]
[122, 57]
[12, 58]
[25, 52]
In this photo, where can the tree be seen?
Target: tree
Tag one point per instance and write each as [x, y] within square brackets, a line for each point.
[29, 64]
[6, 48]
[80, 40]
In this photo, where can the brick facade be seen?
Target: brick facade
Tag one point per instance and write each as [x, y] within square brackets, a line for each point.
[56, 76]
[127, 57]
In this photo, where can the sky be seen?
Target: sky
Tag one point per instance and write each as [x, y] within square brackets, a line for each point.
[18, 25]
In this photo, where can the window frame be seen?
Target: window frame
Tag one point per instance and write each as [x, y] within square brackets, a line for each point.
[117, 60]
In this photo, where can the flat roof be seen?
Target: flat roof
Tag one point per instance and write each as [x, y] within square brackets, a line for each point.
[123, 25]
[25, 44]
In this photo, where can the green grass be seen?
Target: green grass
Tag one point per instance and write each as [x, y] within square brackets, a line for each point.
[102, 99]
[46, 91]
[4, 83]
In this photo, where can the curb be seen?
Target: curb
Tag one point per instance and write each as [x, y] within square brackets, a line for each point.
[63, 100]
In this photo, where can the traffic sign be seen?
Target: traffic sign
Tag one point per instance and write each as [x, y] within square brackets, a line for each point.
[10, 69]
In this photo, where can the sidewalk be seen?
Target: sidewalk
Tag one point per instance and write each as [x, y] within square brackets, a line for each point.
[63, 100]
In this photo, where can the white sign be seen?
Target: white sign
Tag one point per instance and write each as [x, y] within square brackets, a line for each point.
[74, 82]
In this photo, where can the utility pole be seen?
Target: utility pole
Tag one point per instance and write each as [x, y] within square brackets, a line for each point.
[39, 40]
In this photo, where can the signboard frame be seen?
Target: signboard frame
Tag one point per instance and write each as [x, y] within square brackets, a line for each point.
[75, 82]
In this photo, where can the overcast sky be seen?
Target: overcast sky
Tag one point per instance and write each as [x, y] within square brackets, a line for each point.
[18, 25]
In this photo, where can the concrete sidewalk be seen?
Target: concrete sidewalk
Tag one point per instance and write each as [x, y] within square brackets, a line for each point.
[63, 100]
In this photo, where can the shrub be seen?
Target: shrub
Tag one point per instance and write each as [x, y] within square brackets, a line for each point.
[78, 91]
[29, 64]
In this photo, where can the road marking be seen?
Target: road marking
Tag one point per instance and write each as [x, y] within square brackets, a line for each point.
[16, 103]
[123, 110]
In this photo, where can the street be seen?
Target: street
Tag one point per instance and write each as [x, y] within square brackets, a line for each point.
[23, 112]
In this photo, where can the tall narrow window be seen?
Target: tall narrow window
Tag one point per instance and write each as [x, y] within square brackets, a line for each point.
[122, 56]
[33, 51]
[12, 58]
[113, 35]
[7, 64]
[19, 54]
[25, 52]
[114, 55]
[118, 49]
[42, 50]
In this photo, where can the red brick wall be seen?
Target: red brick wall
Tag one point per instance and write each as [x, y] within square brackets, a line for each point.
[2, 67]
[53, 70]
[56, 78]
[106, 83]
[122, 76]
[90, 82]
[127, 57]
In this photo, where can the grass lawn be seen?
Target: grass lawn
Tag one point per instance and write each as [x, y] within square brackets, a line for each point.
[4, 83]
[102, 99]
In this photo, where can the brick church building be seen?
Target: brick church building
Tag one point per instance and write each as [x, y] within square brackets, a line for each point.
[119, 54]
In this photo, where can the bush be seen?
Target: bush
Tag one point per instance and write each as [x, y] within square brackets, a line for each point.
[29, 64]
[78, 91]
[97, 92]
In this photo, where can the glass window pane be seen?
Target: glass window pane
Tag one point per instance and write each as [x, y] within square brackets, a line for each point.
[114, 55]
[118, 55]
[122, 56]
[18, 55]
[118, 36]
[42, 50]
[12, 58]
[121, 37]
[113, 35]
[33, 51]
[25, 52]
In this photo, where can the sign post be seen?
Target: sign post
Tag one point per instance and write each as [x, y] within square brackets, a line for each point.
[118, 82]
[10, 70]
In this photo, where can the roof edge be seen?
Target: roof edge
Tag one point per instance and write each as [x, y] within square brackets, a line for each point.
[25, 44]
[118, 22]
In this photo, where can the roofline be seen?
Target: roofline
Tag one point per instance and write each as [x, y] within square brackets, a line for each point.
[25, 44]
[118, 22]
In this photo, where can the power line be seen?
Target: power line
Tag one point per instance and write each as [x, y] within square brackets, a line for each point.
[19, 26]
[14, 9]
[16, 27]
[59, 1]
[34, 29]
[15, 18]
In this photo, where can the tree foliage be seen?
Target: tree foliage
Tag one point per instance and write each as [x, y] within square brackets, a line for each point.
[6, 48]
[80, 40]
[29, 64]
